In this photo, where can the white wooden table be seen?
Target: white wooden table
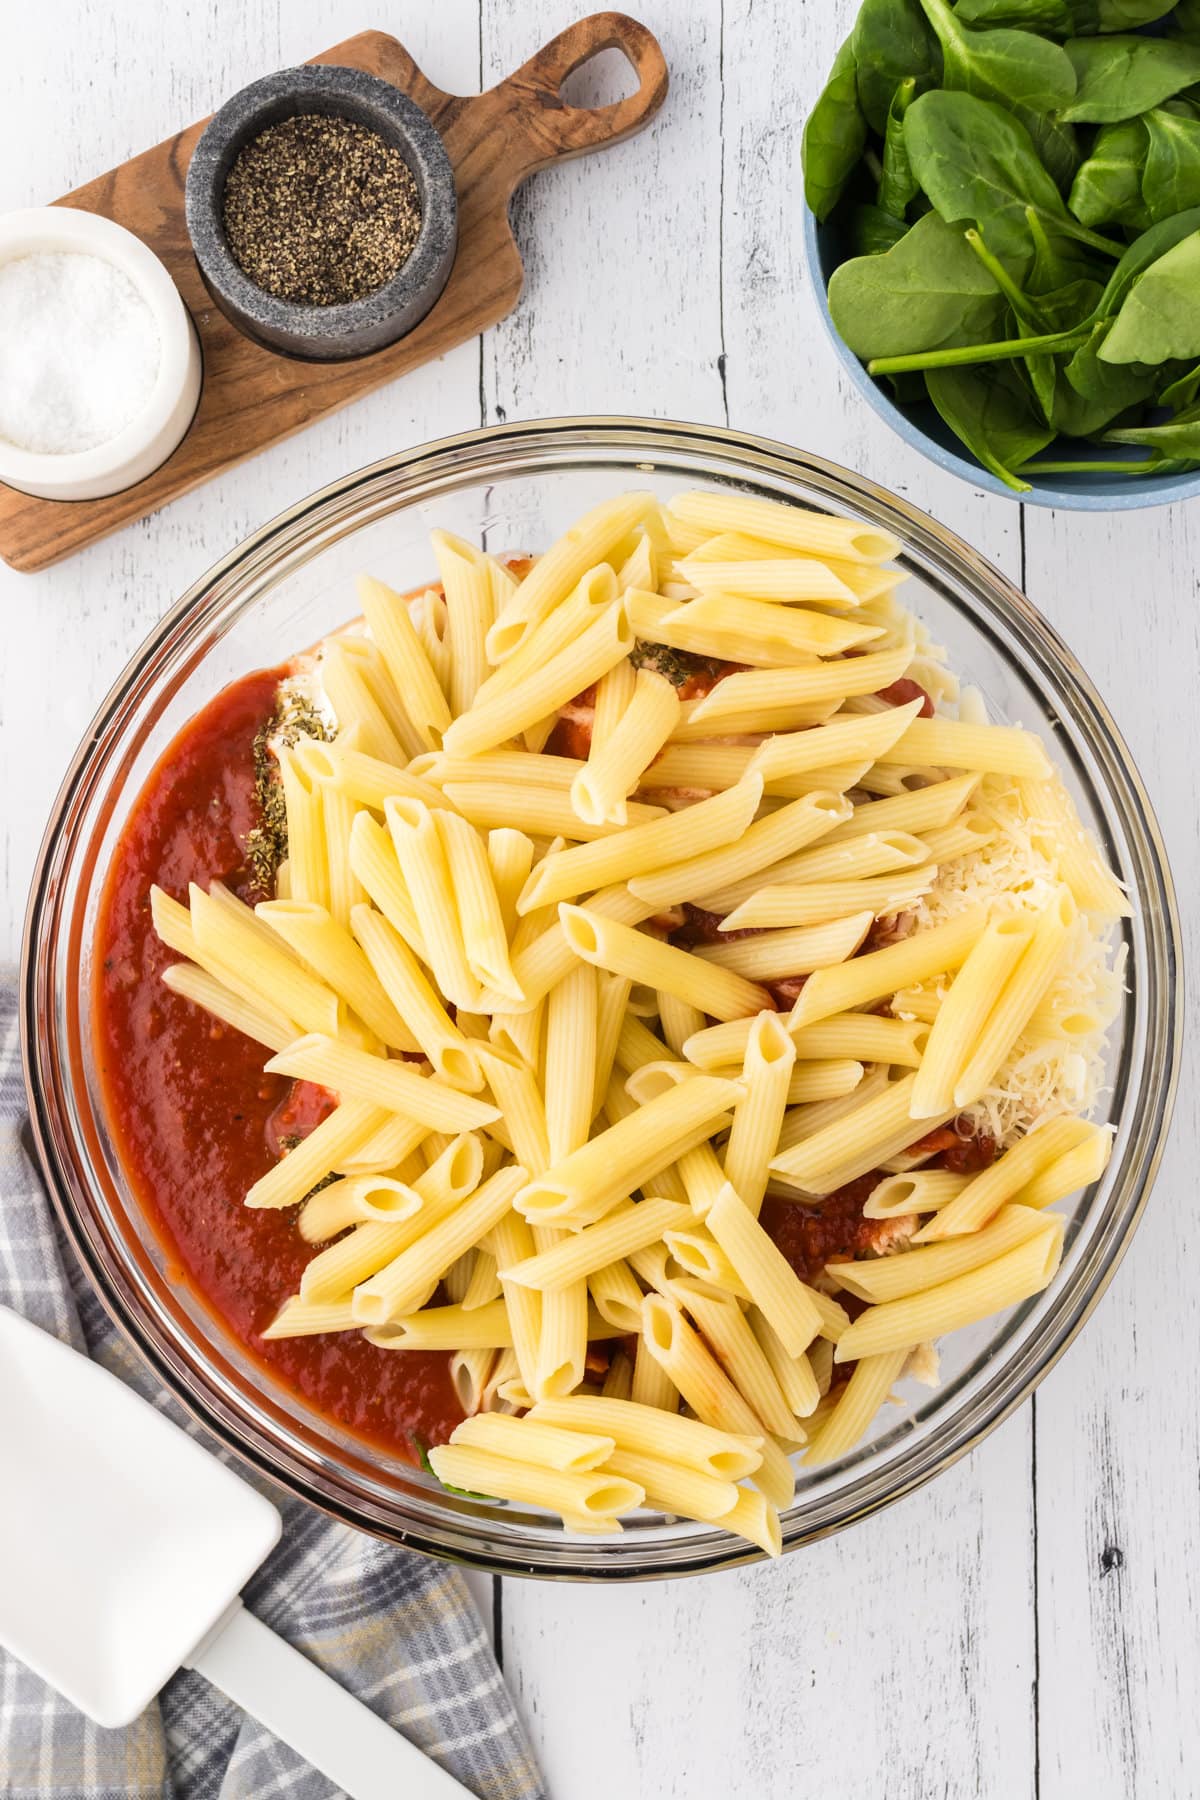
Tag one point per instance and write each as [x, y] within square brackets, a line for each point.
[1028, 1628]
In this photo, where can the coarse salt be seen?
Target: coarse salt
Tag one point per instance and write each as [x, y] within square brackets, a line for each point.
[79, 352]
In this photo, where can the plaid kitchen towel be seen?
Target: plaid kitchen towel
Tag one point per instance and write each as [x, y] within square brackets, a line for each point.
[396, 1628]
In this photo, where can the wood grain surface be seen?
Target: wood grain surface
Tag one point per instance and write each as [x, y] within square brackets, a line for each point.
[1025, 1627]
[252, 397]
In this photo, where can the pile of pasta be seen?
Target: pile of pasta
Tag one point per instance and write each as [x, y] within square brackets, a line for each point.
[555, 1129]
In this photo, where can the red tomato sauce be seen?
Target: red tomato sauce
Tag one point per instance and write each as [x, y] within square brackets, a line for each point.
[195, 1119]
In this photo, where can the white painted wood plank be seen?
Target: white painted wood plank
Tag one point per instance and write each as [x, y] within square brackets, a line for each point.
[1118, 1442]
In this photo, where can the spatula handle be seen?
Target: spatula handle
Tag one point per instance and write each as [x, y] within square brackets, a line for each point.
[305, 1707]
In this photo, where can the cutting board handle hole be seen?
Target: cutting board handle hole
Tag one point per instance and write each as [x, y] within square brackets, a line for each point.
[602, 80]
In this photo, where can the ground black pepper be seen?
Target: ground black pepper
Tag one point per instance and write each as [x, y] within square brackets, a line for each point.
[320, 210]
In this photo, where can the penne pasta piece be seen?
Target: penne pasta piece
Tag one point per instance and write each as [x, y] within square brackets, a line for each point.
[531, 1440]
[512, 1242]
[465, 573]
[755, 1519]
[678, 1020]
[331, 952]
[405, 659]
[301, 1318]
[722, 623]
[495, 720]
[642, 1431]
[308, 865]
[793, 1374]
[881, 972]
[405, 1283]
[859, 1141]
[259, 1021]
[925, 809]
[1016, 1000]
[604, 1171]
[952, 744]
[963, 1300]
[592, 1496]
[811, 903]
[469, 1374]
[956, 1030]
[481, 921]
[868, 1387]
[483, 1288]
[620, 752]
[446, 1328]
[571, 1026]
[617, 1296]
[771, 693]
[671, 1488]
[502, 768]
[876, 853]
[581, 1254]
[773, 955]
[563, 1337]
[651, 1385]
[858, 735]
[1076, 1168]
[347, 667]
[893, 1277]
[317, 1155]
[642, 849]
[542, 812]
[365, 780]
[373, 860]
[355, 1200]
[416, 1000]
[426, 873]
[783, 579]
[555, 574]
[1039, 1149]
[702, 1175]
[231, 937]
[922, 1191]
[721, 1321]
[766, 1075]
[769, 1278]
[756, 847]
[1062, 837]
[624, 951]
[777, 522]
[814, 1081]
[510, 856]
[864, 1037]
[395, 1086]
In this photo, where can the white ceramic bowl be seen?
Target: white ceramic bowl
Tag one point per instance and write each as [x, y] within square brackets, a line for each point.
[153, 432]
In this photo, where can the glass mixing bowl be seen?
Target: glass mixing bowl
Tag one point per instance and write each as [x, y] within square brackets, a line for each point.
[284, 588]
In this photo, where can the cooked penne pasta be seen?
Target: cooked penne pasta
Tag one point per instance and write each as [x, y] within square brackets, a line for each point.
[766, 1074]
[986, 1193]
[623, 951]
[778, 523]
[481, 921]
[922, 1191]
[1022, 990]
[773, 1285]
[554, 575]
[954, 1035]
[620, 753]
[581, 1254]
[257, 1020]
[405, 658]
[769, 693]
[758, 847]
[811, 903]
[642, 849]
[795, 951]
[963, 1300]
[868, 1387]
[416, 1000]
[881, 972]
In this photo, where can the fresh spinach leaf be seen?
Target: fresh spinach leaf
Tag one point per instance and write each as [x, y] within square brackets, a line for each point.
[1065, 18]
[1186, 17]
[872, 231]
[1178, 437]
[1095, 392]
[976, 163]
[1015, 68]
[897, 183]
[1171, 178]
[990, 409]
[835, 135]
[928, 290]
[1159, 318]
[1057, 260]
[1108, 188]
[892, 43]
[1120, 77]
[1057, 144]
[1020, 15]
[1182, 391]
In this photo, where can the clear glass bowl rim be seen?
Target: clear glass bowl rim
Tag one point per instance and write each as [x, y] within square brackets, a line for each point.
[554, 444]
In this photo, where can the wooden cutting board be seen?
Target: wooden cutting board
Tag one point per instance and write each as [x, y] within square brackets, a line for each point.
[253, 397]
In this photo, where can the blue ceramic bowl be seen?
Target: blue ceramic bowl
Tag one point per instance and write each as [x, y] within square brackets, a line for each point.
[925, 430]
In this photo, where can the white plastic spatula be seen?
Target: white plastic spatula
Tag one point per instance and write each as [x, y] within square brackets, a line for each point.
[123, 1546]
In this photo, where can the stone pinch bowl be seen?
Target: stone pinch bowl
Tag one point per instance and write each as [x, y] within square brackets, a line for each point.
[357, 327]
